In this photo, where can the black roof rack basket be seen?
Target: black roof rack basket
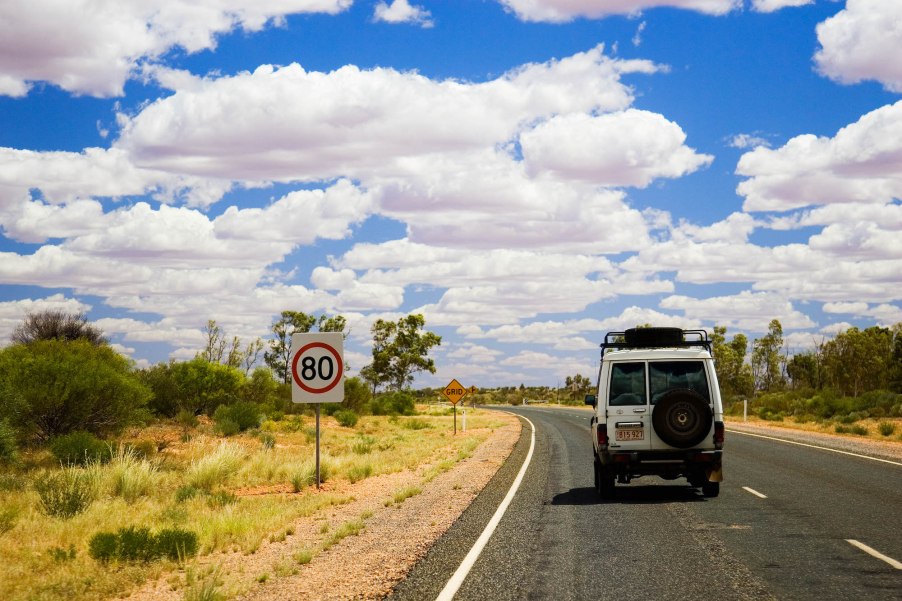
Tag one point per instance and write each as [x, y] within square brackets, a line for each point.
[638, 338]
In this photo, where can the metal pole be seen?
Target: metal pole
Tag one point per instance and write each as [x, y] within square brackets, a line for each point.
[745, 410]
[455, 418]
[317, 447]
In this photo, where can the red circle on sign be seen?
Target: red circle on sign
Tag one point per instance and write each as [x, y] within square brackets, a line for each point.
[330, 385]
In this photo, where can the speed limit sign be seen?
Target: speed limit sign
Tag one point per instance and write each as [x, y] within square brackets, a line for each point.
[317, 368]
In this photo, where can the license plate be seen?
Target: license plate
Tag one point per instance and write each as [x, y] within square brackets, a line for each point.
[631, 434]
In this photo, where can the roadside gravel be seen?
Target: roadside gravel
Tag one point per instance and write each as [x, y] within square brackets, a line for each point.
[872, 448]
[387, 536]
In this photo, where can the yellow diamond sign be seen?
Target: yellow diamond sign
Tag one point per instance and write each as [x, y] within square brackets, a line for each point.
[454, 392]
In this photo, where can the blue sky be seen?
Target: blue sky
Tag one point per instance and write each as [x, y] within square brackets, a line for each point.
[529, 174]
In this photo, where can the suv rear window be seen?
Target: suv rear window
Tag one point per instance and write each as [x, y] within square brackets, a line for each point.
[667, 375]
[627, 384]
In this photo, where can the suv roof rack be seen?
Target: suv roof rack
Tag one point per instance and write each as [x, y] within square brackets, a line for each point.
[638, 338]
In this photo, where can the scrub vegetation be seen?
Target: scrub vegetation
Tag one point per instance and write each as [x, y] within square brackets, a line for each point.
[113, 475]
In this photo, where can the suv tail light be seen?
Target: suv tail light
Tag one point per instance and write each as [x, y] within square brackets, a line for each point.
[601, 431]
[719, 432]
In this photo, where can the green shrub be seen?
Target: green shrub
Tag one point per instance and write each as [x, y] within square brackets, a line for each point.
[68, 386]
[136, 544]
[231, 419]
[8, 444]
[393, 403]
[346, 418]
[80, 448]
[268, 440]
[176, 544]
[139, 544]
[66, 492]
[103, 546]
[886, 428]
[187, 492]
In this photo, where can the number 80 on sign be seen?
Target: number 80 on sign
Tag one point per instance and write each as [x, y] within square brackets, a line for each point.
[317, 368]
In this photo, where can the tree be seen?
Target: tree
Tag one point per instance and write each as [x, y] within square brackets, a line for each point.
[577, 386]
[296, 322]
[733, 373]
[858, 361]
[767, 360]
[54, 387]
[56, 325]
[215, 347]
[400, 350]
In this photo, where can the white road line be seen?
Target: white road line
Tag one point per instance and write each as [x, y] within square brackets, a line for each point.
[873, 553]
[814, 446]
[754, 492]
[458, 577]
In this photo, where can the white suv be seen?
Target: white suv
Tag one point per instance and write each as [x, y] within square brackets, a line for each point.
[658, 410]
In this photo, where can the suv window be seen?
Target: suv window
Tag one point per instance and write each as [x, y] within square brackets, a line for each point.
[627, 384]
[667, 375]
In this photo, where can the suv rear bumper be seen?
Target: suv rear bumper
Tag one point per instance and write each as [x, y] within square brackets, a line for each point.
[667, 464]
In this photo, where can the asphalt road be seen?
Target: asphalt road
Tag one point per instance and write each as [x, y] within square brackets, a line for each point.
[779, 529]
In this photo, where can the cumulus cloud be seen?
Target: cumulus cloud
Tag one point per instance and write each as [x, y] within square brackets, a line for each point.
[352, 121]
[560, 11]
[862, 163]
[627, 148]
[860, 42]
[401, 11]
[92, 48]
[746, 311]
[96, 172]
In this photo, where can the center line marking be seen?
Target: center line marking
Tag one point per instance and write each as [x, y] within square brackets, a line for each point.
[874, 553]
[458, 577]
[754, 492]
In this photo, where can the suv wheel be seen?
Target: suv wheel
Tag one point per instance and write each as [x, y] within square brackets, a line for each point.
[682, 418]
[711, 489]
[604, 481]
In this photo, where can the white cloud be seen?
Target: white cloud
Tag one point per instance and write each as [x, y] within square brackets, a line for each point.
[353, 121]
[560, 11]
[627, 148]
[89, 47]
[300, 217]
[67, 176]
[769, 6]
[744, 141]
[861, 42]
[746, 311]
[862, 163]
[851, 308]
[401, 11]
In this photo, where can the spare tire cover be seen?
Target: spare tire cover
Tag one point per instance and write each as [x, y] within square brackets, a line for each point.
[682, 418]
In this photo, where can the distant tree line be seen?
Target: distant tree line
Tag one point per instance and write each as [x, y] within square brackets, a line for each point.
[60, 376]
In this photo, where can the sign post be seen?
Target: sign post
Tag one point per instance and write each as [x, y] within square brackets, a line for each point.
[454, 392]
[317, 370]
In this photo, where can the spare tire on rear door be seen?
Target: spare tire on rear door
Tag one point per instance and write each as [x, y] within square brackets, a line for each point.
[682, 418]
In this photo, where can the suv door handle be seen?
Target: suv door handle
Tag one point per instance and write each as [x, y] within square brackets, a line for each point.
[639, 410]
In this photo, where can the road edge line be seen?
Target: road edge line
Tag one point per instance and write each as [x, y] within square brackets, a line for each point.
[457, 579]
[814, 446]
